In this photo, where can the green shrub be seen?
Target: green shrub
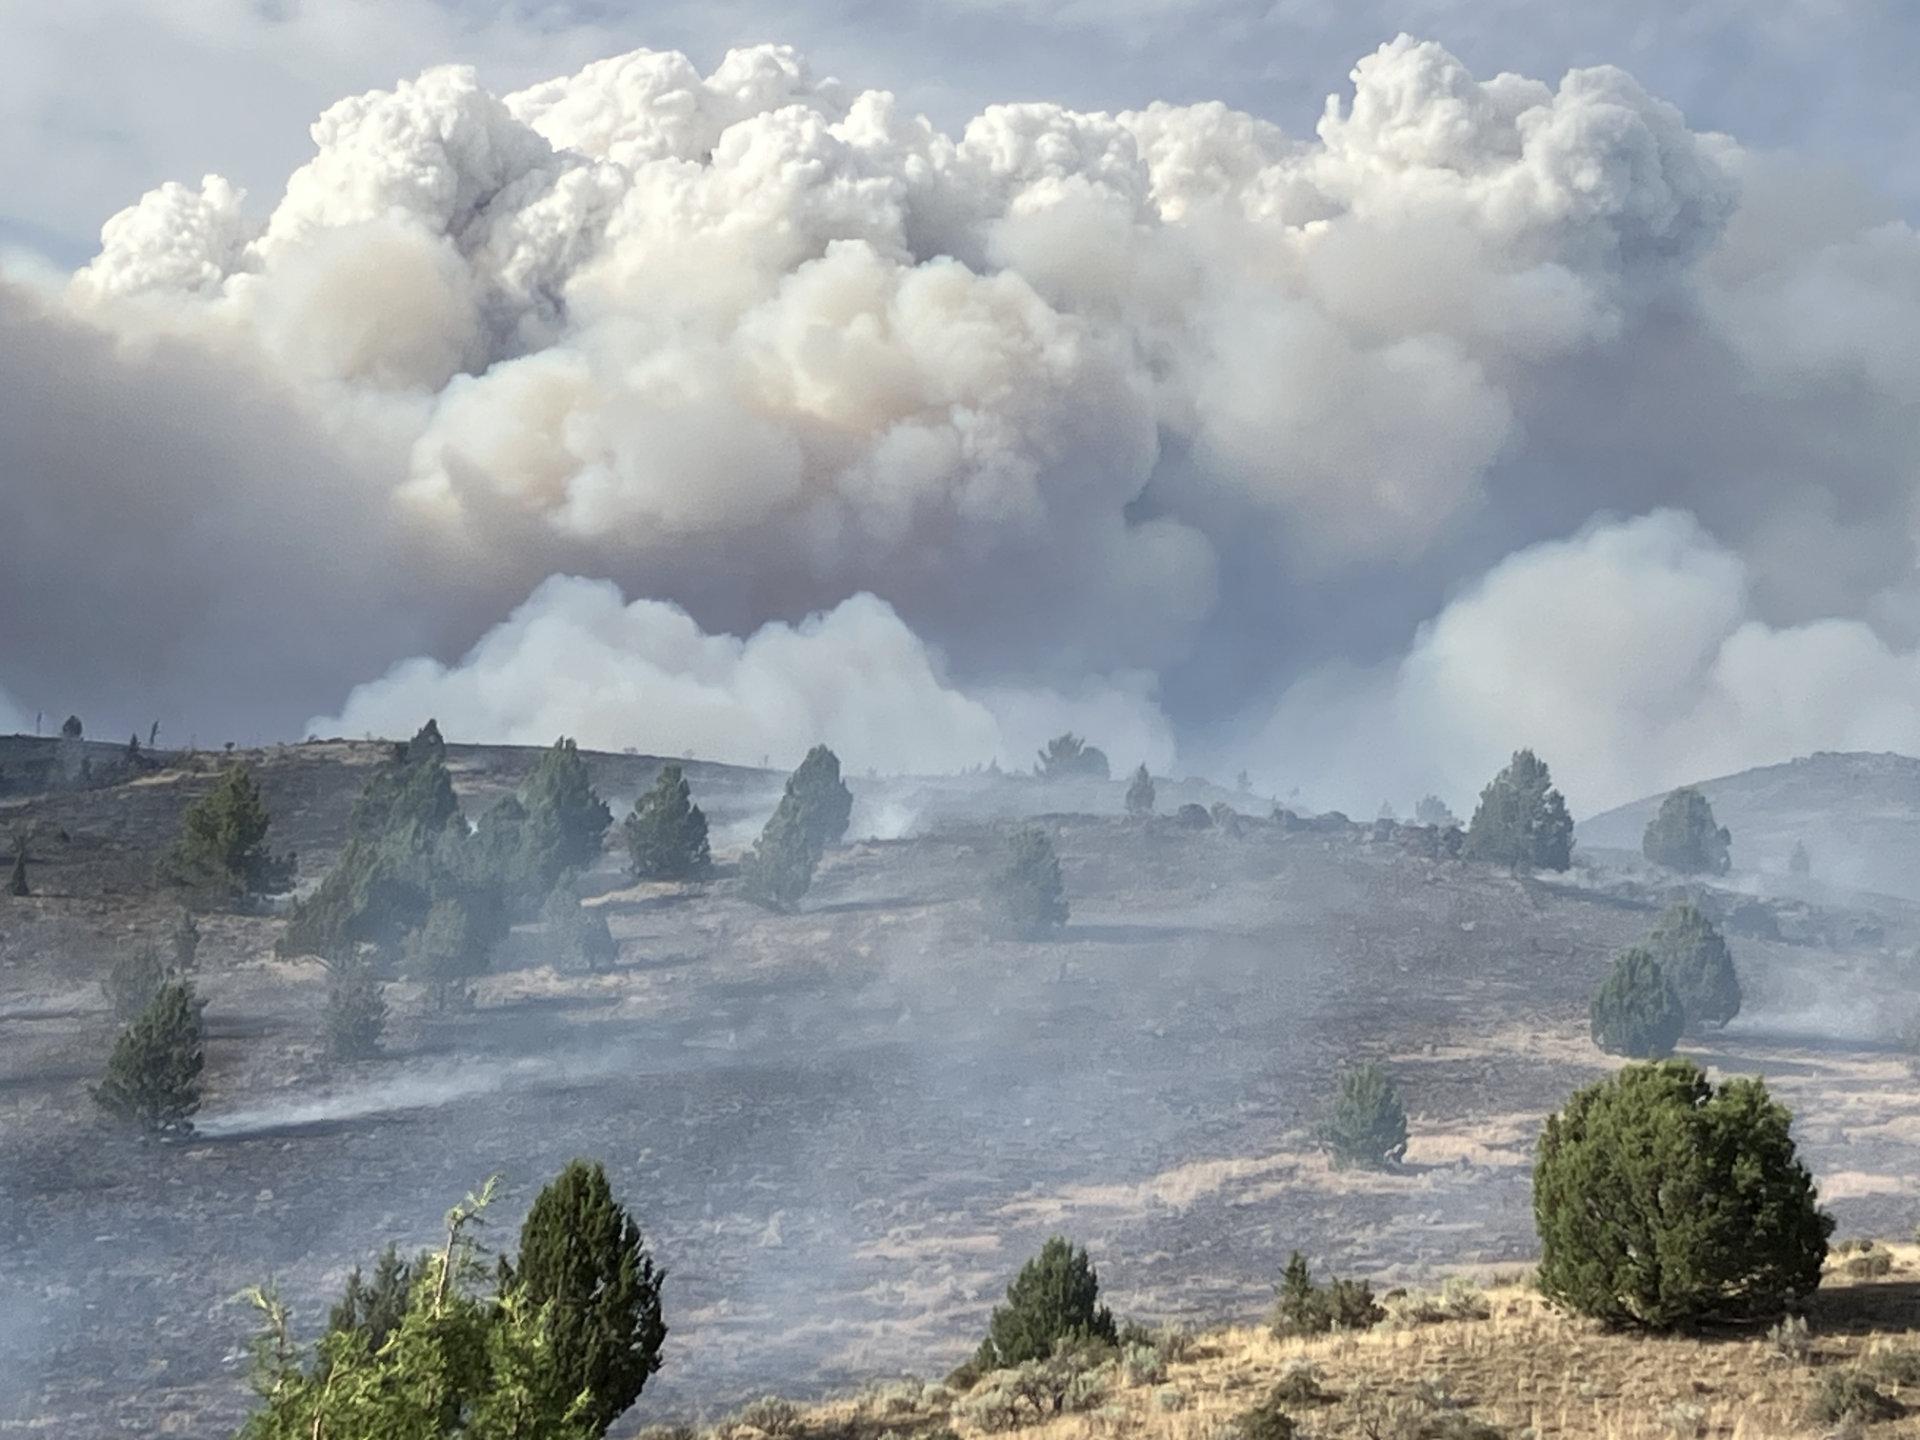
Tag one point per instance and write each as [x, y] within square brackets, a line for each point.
[1366, 1124]
[1850, 1395]
[1683, 836]
[1664, 1201]
[1055, 1298]
[1266, 1419]
[1869, 1264]
[1300, 1385]
[1694, 957]
[447, 951]
[223, 842]
[1789, 1341]
[1140, 793]
[1521, 820]
[1304, 1308]
[1895, 1367]
[152, 1079]
[374, 1307]
[1026, 898]
[667, 833]
[1636, 1011]
[770, 1415]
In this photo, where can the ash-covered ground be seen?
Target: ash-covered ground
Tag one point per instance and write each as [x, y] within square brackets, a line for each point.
[845, 1129]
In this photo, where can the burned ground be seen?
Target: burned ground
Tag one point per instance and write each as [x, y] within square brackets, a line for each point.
[844, 1129]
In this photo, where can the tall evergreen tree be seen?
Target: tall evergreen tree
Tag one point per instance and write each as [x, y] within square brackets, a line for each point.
[1026, 898]
[585, 1265]
[1521, 820]
[374, 1306]
[826, 804]
[577, 935]
[447, 951]
[566, 820]
[153, 1076]
[667, 833]
[223, 841]
[1140, 793]
[1055, 1297]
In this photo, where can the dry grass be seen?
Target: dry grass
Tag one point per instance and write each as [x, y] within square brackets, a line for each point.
[1524, 1370]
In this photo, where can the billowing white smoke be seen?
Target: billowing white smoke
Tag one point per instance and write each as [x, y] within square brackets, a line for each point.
[1629, 654]
[576, 659]
[1100, 406]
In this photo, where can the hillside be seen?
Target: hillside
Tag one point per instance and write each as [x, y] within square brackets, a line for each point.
[1858, 815]
[843, 1129]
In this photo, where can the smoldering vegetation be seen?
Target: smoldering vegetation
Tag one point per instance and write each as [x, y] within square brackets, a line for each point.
[844, 1128]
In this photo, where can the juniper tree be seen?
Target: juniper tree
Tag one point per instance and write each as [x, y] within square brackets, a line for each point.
[565, 819]
[585, 1266]
[1304, 1308]
[667, 833]
[826, 804]
[577, 935]
[1694, 957]
[1799, 862]
[778, 870]
[1636, 1011]
[1521, 820]
[1683, 836]
[356, 1014]
[71, 728]
[1069, 756]
[1140, 793]
[1026, 898]
[222, 843]
[1663, 1201]
[1054, 1298]
[152, 1079]
[1432, 810]
[374, 1307]
[1366, 1125]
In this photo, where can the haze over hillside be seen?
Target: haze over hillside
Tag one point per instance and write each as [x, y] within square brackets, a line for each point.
[1858, 815]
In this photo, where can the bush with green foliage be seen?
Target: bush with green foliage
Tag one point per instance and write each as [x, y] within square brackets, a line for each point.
[152, 1079]
[1366, 1125]
[1304, 1308]
[1850, 1395]
[577, 935]
[1140, 794]
[1265, 1419]
[1521, 820]
[356, 1014]
[460, 1364]
[1694, 956]
[586, 1269]
[667, 833]
[1683, 836]
[1026, 898]
[778, 871]
[826, 804]
[1055, 1298]
[1663, 1201]
[1637, 1011]
[1068, 757]
[223, 842]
